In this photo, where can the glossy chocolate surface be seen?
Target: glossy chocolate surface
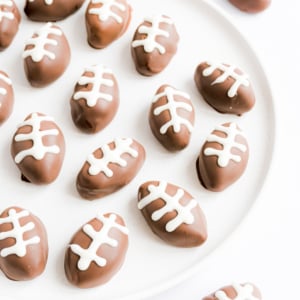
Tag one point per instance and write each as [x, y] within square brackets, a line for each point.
[226, 88]
[106, 21]
[38, 149]
[110, 167]
[172, 214]
[23, 244]
[154, 44]
[46, 55]
[97, 251]
[171, 118]
[6, 97]
[10, 19]
[95, 100]
[51, 10]
[223, 157]
[251, 6]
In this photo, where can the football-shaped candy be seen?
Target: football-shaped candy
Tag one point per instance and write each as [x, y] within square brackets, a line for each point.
[171, 118]
[251, 6]
[50, 10]
[154, 44]
[38, 149]
[110, 167]
[23, 244]
[9, 22]
[97, 251]
[6, 97]
[95, 100]
[172, 213]
[223, 157]
[106, 21]
[46, 55]
[246, 291]
[224, 87]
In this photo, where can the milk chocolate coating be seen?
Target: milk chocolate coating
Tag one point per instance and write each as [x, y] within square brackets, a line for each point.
[152, 55]
[6, 97]
[50, 11]
[251, 6]
[95, 100]
[190, 232]
[38, 149]
[225, 88]
[106, 22]
[94, 274]
[171, 118]
[109, 168]
[232, 292]
[29, 258]
[223, 157]
[43, 68]
[9, 23]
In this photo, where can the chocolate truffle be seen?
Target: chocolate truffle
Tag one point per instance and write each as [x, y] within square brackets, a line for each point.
[6, 97]
[110, 167]
[172, 213]
[23, 244]
[171, 118]
[51, 10]
[246, 291]
[46, 55]
[97, 251]
[154, 44]
[223, 157]
[95, 100]
[226, 88]
[251, 6]
[38, 149]
[106, 21]
[9, 22]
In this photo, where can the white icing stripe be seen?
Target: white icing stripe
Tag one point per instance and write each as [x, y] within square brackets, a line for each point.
[6, 14]
[244, 292]
[6, 80]
[38, 149]
[111, 156]
[184, 214]
[47, 2]
[105, 11]
[224, 155]
[228, 72]
[153, 31]
[97, 81]
[172, 105]
[98, 238]
[17, 233]
[38, 52]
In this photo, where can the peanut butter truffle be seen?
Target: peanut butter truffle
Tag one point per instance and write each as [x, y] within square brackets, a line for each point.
[6, 97]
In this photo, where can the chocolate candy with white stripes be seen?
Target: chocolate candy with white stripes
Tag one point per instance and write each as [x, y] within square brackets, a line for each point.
[110, 167]
[234, 291]
[106, 21]
[51, 10]
[38, 149]
[10, 19]
[97, 251]
[223, 157]
[46, 55]
[95, 100]
[23, 244]
[172, 214]
[224, 87]
[6, 97]
[171, 118]
[154, 44]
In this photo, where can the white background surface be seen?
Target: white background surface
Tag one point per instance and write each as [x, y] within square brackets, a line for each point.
[266, 249]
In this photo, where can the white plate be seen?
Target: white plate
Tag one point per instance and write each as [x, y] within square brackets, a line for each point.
[151, 266]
